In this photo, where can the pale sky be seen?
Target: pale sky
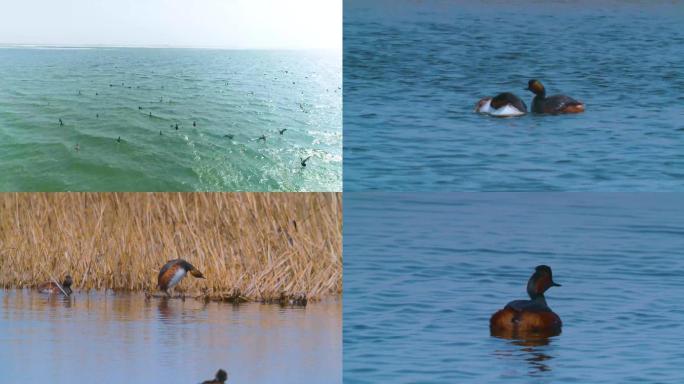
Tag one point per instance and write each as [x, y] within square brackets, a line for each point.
[286, 24]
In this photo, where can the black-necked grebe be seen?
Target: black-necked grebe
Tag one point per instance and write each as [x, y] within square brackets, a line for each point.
[303, 161]
[552, 104]
[173, 272]
[54, 288]
[522, 318]
[281, 131]
[220, 378]
[502, 105]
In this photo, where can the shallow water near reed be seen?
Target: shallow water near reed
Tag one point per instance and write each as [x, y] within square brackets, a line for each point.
[222, 101]
[115, 338]
[413, 71]
[424, 272]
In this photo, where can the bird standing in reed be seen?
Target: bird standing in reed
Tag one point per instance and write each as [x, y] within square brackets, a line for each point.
[173, 272]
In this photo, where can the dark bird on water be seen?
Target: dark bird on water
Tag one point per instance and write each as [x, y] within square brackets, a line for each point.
[303, 161]
[220, 378]
[282, 131]
[150, 114]
[139, 107]
[194, 123]
[118, 140]
[262, 137]
[176, 126]
[160, 133]
[55, 288]
[60, 122]
[229, 136]
[96, 93]
[97, 115]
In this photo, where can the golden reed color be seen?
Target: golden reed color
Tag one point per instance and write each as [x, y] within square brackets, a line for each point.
[258, 246]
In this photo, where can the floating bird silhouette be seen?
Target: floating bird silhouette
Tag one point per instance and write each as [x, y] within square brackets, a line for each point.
[220, 378]
[194, 123]
[118, 140]
[303, 161]
[173, 272]
[230, 136]
[97, 115]
[52, 287]
[282, 131]
[262, 137]
[176, 126]
[60, 122]
[160, 133]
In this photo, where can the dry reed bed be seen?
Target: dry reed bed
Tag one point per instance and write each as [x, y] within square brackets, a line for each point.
[257, 246]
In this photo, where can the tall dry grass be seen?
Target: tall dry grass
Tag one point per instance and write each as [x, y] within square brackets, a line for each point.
[262, 246]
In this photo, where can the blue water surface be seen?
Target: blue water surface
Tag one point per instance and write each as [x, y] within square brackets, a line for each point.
[424, 272]
[413, 71]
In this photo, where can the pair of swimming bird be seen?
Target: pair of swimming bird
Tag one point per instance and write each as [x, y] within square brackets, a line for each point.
[169, 276]
[507, 104]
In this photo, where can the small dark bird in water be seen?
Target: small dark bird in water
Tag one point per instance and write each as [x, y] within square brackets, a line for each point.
[282, 130]
[229, 136]
[111, 85]
[262, 137]
[150, 114]
[221, 377]
[54, 288]
[77, 147]
[139, 107]
[96, 93]
[97, 115]
[60, 122]
[303, 161]
[194, 123]
[160, 133]
[118, 140]
[176, 126]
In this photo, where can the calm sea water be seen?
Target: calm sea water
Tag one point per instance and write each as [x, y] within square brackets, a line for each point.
[116, 339]
[424, 272]
[413, 71]
[245, 94]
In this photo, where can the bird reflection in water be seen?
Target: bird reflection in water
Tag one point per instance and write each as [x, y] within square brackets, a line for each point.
[531, 350]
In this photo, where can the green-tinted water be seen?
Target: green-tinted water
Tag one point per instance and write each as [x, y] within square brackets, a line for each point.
[234, 97]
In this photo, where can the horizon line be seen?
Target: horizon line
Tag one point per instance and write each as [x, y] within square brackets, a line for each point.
[26, 45]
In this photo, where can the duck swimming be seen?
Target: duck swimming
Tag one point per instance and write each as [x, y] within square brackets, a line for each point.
[173, 272]
[221, 377]
[524, 318]
[53, 288]
[502, 105]
[552, 104]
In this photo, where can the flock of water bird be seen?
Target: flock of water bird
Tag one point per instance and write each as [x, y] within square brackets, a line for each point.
[302, 160]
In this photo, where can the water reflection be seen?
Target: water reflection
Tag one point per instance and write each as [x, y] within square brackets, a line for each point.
[119, 336]
[531, 351]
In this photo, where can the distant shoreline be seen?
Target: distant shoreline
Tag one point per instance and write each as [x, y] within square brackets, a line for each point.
[78, 47]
